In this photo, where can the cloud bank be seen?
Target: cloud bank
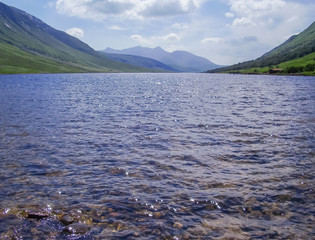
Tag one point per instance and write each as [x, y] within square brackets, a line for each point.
[156, 40]
[225, 31]
[256, 8]
[128, 9]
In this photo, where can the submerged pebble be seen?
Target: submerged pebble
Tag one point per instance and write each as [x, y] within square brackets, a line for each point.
[77, 228]
[66, 219]
[178, 225]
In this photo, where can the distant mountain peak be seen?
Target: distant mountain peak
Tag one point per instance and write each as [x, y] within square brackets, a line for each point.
[180, 60]
[159, 49]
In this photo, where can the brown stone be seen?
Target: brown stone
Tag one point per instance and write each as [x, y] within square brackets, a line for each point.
[178, 225]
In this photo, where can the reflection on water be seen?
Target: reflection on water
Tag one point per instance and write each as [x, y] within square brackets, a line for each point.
[165, 156]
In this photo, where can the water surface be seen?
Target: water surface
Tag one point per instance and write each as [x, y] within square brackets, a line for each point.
[157, 156]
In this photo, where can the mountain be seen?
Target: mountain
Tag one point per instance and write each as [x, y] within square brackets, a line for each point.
[181, 61]
[295, 53]
[140, 62]
[29, 45]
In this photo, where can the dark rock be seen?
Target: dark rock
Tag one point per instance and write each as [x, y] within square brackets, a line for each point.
[37, 215]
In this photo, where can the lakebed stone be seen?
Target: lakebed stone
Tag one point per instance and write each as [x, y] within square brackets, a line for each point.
[178, 225]
[66, 219]
[77, 228]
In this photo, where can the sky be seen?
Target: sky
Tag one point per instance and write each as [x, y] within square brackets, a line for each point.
[223, 31]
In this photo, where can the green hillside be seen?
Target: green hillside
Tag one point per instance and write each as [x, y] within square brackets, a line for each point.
[28, 45]
[295, 56]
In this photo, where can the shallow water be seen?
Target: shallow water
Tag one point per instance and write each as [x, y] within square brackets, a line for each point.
[157, 156]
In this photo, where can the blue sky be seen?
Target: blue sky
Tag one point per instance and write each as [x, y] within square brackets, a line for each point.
[223, 31]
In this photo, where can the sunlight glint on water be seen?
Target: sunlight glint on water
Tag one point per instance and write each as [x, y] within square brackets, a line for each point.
[160, 156]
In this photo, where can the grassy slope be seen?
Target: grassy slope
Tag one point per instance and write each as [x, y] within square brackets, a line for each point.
[29, 46]
[295, 52]
[296, 47]
[296, 63]
[14, 60]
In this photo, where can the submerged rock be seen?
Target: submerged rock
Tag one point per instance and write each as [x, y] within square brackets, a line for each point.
[178, 225]
[77, 228]
[197, 231]
[67, 219]
[37, 215]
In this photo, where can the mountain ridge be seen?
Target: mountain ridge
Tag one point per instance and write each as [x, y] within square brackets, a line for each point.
[182, 61]
[140, 61]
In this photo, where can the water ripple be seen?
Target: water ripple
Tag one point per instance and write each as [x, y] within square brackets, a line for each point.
[165, 156]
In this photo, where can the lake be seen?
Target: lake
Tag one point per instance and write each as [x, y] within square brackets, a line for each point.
[157, 156]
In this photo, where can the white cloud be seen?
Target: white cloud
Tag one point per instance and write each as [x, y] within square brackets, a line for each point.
[75, 32]
[212, 40]
[137, 37]
[156, 40]
[179, 26]
[168, 7]
[93, 9]
[229, 15]
[140, 39]
[101, 9]
[254, 12]
[170, 37]
[269, 20]
[116, 28]
[255, 8]
[164, 40]
[88, 8]
[243, 21]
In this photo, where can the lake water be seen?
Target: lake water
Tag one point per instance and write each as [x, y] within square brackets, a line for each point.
[157, 156]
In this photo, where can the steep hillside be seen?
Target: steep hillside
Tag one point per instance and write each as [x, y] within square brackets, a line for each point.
[296, 47]
[30, 45]
[179, 60]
